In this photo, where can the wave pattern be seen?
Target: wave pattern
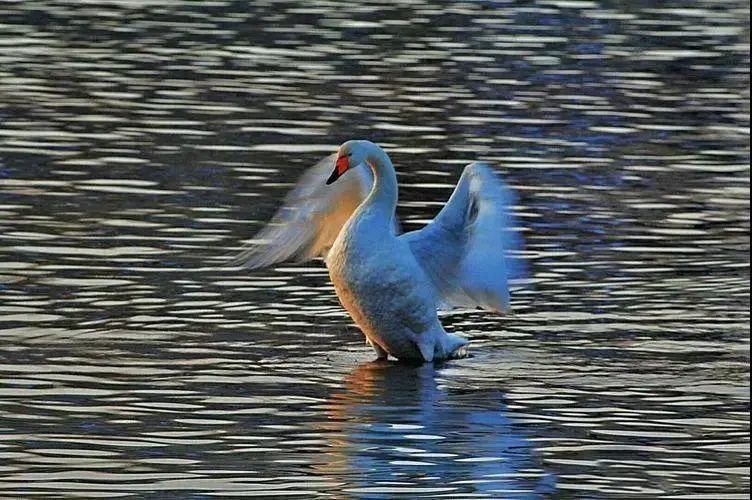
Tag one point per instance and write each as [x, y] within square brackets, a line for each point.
[141, 143]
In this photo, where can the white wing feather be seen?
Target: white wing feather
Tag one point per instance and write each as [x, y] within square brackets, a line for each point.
[310, 218]
[467, 249]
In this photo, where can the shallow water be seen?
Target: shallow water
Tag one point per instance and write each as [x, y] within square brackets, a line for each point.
[143, 142]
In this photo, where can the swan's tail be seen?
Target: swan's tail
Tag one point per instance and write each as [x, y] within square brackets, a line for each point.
[442, 345]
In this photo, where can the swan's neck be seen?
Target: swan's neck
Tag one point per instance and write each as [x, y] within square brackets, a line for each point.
[383, 195]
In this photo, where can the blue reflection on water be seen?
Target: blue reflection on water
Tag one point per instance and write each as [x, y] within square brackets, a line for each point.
[399, 426]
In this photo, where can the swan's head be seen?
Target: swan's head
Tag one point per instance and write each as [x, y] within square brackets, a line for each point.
[350, 155]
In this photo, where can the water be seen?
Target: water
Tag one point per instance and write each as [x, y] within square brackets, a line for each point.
[142, 142]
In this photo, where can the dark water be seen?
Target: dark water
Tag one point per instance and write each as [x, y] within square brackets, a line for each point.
[141, 142]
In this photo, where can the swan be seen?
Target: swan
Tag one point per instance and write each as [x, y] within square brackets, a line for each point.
[392, 284]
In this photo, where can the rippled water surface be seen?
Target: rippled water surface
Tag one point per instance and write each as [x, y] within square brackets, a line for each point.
[142, 142]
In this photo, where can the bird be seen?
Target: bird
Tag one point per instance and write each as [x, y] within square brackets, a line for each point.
[393, 285]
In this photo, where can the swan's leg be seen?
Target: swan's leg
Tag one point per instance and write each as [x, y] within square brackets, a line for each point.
[381, 354]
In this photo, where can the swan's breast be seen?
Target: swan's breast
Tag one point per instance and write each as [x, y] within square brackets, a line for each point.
[379, 280]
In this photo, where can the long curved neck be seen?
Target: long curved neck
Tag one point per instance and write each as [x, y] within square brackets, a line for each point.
[383, 195]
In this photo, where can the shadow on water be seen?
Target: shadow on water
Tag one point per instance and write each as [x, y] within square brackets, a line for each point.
[402, 432]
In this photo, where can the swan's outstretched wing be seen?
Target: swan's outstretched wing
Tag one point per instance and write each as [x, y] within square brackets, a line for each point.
[467, 249]
[310, 218]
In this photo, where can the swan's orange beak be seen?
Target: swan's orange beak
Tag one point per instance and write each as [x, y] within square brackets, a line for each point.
[343, 163]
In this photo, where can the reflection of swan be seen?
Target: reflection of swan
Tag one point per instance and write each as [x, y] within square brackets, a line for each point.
[395, 431]
[392, 285]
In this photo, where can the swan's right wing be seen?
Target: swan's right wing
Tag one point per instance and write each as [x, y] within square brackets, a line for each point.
[470, 251]
[310, 218]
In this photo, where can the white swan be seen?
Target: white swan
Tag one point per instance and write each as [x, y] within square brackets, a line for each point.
[392, 285]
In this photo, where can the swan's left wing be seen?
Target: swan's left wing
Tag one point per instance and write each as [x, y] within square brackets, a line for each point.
[470, 251]
[310, 218]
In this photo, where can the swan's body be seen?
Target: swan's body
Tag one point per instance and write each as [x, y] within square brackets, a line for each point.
[384, 289]
[392, 285]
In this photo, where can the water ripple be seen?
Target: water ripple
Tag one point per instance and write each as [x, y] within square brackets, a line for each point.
[135, 156]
